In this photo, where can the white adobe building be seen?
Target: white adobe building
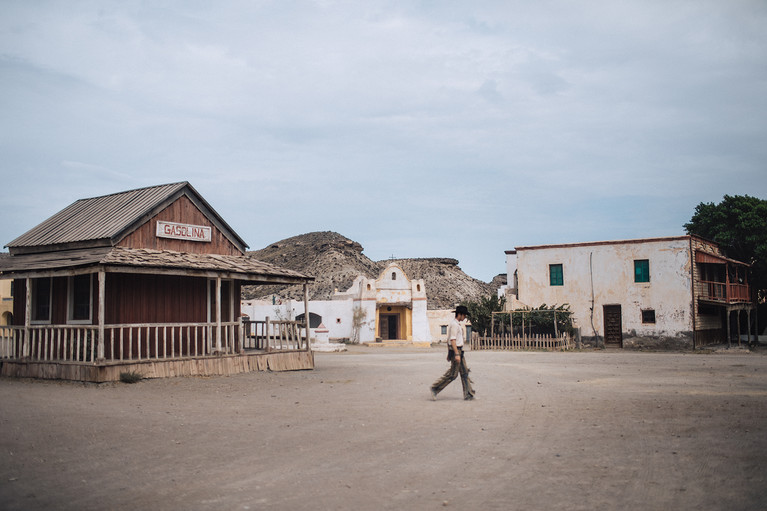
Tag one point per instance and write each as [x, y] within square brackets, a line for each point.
[389, 308]
[675, 292]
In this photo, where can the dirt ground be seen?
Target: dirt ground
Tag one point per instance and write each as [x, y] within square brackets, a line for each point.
[598, 430]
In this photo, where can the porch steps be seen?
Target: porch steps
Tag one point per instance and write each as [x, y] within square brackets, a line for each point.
[399, 344]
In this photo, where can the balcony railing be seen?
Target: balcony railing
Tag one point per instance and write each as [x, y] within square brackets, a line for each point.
[723, 292]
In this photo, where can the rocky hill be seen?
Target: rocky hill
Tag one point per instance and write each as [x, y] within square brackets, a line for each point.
[335, 261]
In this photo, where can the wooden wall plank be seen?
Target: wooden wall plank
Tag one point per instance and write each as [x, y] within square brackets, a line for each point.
[183, 211]
[200, 366]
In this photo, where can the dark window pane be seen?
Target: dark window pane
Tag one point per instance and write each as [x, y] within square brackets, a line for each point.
[642, 270]
[556, 275]
[81, 297]
[41, 299]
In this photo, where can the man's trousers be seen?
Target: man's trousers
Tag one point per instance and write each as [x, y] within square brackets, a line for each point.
[456, 369]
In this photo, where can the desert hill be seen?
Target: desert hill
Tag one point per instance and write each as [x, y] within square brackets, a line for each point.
[335, 261]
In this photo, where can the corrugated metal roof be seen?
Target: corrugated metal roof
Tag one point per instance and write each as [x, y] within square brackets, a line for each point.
[98, 218]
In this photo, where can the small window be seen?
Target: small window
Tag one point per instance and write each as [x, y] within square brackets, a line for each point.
[648, 316]
[443, 329]
[556, 276]
[80, 303]
[41, 300]
[641, 270]
[394, 275]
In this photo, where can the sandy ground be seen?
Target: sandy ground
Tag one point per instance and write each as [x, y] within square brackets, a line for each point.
[591, 430]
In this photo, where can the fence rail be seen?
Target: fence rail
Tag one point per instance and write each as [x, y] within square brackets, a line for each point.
[527, 342]
[724, 292]
[79, 343]
[274, 335]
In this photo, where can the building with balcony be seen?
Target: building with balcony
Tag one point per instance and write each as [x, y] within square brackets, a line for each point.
[658, 293]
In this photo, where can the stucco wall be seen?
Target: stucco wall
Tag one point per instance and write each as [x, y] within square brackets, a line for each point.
[437, 319]
[336, 315]
[363, 298]
[606, 272]
[6, 302]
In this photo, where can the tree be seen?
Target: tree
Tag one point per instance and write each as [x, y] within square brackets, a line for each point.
[739, 225]
[481, 312]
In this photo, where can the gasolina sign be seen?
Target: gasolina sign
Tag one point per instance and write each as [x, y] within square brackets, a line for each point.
[183, 231]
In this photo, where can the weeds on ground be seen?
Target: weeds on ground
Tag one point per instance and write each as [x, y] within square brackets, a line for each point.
[130, 377]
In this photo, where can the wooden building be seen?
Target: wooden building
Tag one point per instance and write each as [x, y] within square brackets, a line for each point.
[144, 281]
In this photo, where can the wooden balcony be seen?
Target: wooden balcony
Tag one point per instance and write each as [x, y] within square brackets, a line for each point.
[723, 292]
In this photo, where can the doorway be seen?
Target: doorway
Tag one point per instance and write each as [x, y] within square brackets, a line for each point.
[389, 326]
[613, 326]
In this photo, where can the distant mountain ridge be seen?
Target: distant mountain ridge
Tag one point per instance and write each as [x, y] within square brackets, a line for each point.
[335, 261]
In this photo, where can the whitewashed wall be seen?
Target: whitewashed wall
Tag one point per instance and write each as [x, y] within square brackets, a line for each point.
[437, 319]
[336, 315]
[363, 295]
[606, 271]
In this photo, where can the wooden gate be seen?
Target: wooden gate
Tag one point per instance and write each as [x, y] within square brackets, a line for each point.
[613, 326]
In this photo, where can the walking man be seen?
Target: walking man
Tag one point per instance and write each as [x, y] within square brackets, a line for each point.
[455, 338]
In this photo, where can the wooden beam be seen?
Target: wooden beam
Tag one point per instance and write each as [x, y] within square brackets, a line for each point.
[306, 316]
[218, 314]
[27, 318]
[102, 295]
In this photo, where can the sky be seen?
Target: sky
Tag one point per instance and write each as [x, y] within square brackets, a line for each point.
[416, 128]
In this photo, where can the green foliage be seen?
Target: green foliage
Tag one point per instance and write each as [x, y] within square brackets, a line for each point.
[130, 377]
[480, 312]
[739, 225]
[540, 320]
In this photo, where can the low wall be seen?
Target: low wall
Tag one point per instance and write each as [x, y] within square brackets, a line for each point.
[224, 365]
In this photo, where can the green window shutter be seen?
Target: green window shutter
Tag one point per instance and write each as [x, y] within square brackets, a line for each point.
[556, 275]
[642, 270]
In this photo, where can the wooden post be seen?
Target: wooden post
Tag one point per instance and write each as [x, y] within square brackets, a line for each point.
[306, 316]
[27, 319]
[267, 343]
[102, 295]
[218, 314]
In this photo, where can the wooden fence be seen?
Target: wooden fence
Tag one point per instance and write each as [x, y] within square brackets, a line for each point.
[274, 335]
[528, 342]
[155, 341]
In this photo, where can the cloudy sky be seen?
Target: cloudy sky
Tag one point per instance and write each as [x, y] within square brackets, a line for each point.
[417, 128]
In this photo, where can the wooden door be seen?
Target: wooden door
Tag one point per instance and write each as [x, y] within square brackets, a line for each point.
[389, 324]
[613, 326]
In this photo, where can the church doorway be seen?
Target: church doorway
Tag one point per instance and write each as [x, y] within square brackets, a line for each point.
[389, 326]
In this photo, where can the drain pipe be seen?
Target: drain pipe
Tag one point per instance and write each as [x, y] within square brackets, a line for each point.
[591, 273]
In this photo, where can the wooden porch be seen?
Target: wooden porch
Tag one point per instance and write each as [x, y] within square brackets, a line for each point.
[88, 353]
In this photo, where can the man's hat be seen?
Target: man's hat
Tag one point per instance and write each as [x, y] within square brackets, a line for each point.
[461, 309]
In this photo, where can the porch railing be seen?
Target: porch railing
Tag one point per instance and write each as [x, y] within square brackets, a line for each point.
[563, 341]
[271, 335]
[724, 292]
[151, 341]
